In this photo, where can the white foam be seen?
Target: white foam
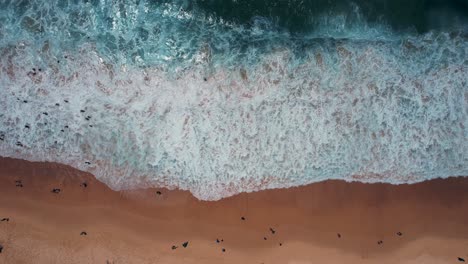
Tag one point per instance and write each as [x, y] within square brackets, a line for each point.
[367, 111]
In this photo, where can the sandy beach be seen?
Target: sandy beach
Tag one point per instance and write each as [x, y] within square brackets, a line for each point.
[84, 221]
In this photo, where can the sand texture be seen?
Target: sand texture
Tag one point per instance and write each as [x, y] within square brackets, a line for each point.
[327, 222]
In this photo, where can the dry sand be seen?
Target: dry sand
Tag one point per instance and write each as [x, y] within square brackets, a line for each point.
[141, 226]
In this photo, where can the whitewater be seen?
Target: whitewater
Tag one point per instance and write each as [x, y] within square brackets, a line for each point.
[150, 95]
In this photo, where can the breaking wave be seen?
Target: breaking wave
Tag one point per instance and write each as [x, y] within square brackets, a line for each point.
[159, 93]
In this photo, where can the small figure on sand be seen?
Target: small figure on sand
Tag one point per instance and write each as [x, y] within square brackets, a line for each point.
[5, 220]
[272, 231]
[18, 183]
[84, 185]
[173, 247]
[399, 234]
[459, 259]
[243, 218]
[185, 244]
[380, 242]
[158, 193]
[339, 235]
[56, 190]
[83, 233]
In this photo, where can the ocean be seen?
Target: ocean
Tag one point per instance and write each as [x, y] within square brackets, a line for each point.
[222, 97]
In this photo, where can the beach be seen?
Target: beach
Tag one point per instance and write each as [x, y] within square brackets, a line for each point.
[84, 221]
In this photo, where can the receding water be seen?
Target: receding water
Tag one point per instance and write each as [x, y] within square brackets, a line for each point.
[220, 97]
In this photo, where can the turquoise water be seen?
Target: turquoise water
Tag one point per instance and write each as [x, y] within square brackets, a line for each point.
[219, 97]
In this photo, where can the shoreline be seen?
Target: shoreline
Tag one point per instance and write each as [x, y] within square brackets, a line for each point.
[326, 222]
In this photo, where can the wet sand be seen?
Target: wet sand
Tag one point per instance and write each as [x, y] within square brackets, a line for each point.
[327, 222]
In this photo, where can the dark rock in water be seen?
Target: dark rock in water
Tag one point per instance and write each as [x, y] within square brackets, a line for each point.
[25, 101]
[19, 144]
[461, 259]
[56, 190]
[57, 104]
[83, 233]
[173, 247]
[205, 79]
[82, 111]
[45, 113]
[185, 244]
[27, 126]
[66, 101]
[87, 162]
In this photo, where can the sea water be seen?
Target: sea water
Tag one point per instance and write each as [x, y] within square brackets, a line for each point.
[221, 97]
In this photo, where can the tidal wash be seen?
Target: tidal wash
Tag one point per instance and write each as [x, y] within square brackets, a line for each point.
[220, 97]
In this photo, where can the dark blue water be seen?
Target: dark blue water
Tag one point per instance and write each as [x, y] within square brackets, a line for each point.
[219, 97]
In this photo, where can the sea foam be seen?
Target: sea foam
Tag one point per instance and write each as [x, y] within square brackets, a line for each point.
[391, 109]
